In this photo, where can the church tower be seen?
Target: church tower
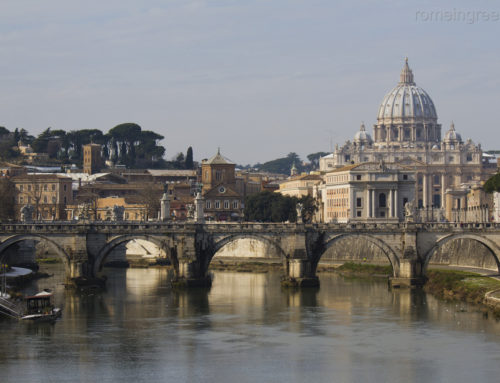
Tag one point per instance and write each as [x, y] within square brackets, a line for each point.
[91, 158]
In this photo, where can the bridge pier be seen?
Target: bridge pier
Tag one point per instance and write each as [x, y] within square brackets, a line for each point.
[300, 273]
[409, 272]
[190, 270]
[190, 274]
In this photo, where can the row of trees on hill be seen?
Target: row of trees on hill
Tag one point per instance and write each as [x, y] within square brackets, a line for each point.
[283, 165]
[275, 207]
[125, 144]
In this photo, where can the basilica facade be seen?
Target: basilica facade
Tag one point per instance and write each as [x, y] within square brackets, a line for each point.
[407, 132]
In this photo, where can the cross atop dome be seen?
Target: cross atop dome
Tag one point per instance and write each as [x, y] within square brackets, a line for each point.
[406, 76]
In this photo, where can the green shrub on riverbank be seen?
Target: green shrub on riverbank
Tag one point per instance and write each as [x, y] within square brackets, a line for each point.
[459, 285]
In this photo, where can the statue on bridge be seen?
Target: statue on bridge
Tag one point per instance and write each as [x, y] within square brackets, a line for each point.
[117, 213]
[27, 213]
[83, 212]
[299, 207]
[191, 210]
[410, 211]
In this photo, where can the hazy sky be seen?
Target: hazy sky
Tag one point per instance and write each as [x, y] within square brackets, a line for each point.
[259, 78]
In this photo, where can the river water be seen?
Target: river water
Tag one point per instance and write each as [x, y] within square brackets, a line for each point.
[247, 329]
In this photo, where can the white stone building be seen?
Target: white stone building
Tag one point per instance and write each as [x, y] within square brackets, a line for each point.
[496, 207]
[407, 131]
[367, 192]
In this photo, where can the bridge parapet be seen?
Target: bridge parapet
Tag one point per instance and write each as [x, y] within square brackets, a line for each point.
[410, 245]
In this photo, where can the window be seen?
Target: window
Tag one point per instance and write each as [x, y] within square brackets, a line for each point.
[29, 199]
[217, 204]
[53, 199]
[358, 177]
[64, 187]
[407, 133]
[53, 187]
[358, 202]
[235, 204]
[21, 199]
[208, 204]
[45, 199]
[65, 199]
[21, 188]
[405, 177]
[45, 187]
[358, 213]
[436, 200]
[382, 200]
[382, 213]
[405, 201]
[437, 180]
[469, 157]
[226, 204]
[29, 187]
[451, 159]
[420, 180]
[347, 157]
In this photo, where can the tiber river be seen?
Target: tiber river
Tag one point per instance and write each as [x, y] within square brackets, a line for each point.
[246, 329]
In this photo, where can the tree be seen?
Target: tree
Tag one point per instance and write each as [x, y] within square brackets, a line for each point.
[189, 158]
[314, 158]
[150, 196]
[39, 145]
[309, 208]
[4, 131]
[7, 199]
[270, 207]
[178, 161]
[493, 184]
[283, 165]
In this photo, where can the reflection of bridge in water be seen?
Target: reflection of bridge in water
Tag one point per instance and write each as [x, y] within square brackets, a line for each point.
[409, 247]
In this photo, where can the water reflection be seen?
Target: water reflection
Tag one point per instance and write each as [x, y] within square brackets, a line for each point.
[347, 330]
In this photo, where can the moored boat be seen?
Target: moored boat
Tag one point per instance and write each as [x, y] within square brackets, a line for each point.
[39, 308]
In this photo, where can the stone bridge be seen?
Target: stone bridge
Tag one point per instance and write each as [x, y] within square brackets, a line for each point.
[409, 247]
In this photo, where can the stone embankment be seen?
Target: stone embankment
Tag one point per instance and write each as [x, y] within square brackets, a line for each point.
[492, 300]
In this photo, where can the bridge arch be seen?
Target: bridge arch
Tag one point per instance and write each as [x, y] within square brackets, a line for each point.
[492, 247]
[235, 237]
[53, 245]
[380, 244]
[116, 241]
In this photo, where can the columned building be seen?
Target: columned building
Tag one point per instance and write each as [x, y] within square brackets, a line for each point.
[407, 132]
[367, 192]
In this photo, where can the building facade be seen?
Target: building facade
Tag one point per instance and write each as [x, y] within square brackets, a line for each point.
[367, 192]
[47, 193]
[103, 210]
[223, 202]
[407, 128]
